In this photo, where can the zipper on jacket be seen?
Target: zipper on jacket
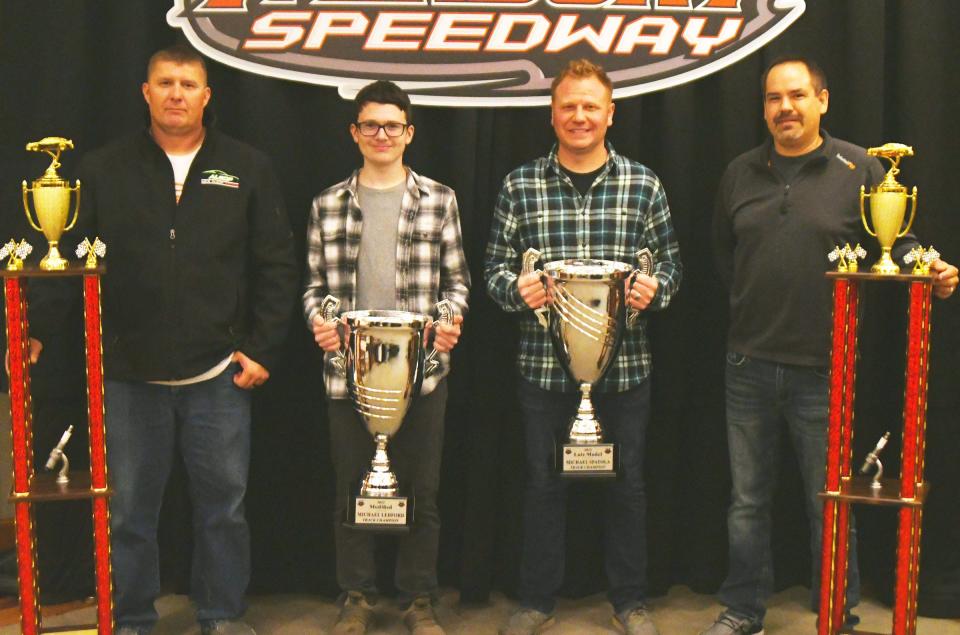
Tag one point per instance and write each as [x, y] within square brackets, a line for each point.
[784, 186]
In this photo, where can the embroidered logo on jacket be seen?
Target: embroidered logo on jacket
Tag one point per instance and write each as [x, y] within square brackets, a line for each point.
[850, 164]
[219, 177]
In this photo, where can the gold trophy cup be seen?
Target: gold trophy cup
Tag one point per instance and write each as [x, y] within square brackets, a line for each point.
[888, 205]
[51, 200]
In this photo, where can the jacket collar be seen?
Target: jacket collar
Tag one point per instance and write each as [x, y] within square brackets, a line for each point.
[763, 157]
[149, 145]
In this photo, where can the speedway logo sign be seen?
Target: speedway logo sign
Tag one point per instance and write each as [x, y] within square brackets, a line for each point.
[481, 52]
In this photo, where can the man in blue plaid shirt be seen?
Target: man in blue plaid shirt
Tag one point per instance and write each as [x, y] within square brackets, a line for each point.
[386, 238]
[583, 200]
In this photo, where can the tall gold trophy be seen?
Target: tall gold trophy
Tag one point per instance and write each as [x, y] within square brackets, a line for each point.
[888, 205]
[51, 200]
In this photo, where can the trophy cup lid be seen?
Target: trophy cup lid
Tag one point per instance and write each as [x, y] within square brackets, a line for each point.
[386, 318]
[587, 269]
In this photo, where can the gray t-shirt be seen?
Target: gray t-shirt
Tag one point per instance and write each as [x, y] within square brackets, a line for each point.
[377, 262]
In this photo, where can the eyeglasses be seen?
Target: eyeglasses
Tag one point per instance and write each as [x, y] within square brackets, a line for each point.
[391, 128]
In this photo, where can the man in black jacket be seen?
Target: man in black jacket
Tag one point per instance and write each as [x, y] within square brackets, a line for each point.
[195, 306]
[781, 207]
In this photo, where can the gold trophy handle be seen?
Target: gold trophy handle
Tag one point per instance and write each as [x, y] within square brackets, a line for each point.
[76, 207]
[26, 206]
[913, 213]
[863, 213]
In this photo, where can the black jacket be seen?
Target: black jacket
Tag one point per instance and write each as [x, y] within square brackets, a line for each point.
[771, 241]
[186, 283]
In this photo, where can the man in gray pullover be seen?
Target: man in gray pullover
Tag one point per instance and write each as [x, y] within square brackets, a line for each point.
[781, 207]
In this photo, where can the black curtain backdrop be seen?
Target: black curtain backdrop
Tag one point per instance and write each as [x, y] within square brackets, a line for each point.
[74, 68]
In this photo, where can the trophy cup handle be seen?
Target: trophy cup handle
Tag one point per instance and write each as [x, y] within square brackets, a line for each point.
[76, 206]
[328, 309]
[26, 205]
[913, 213]
[644, 266]
[530, 258]
[444, 316]
[863, 212]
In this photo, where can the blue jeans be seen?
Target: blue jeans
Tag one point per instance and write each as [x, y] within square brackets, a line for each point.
[765, 400]
[624, 417]
[211, 422]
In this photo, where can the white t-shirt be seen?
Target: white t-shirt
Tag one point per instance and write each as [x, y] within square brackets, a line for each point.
[181, 166]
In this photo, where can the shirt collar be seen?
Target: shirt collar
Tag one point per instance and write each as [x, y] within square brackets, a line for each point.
[553, 160]
[415, 185]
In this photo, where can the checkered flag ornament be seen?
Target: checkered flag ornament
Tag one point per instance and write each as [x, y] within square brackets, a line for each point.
[98, 248]
[857, 253]
[18, 250]
[23, 249]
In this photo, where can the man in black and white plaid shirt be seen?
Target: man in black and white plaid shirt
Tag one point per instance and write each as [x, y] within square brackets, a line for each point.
[583, 200]
[386, 238]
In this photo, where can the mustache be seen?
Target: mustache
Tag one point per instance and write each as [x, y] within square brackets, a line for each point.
[783, 118]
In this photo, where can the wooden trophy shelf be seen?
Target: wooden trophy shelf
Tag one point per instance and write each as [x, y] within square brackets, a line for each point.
[857, 489]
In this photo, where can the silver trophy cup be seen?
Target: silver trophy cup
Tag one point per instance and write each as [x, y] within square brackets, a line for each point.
[586, 319]
[384, 360]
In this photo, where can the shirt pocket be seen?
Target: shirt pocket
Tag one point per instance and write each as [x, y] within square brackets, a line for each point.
[333, 234]
[425, 244]
[557, 230]
[622, 230]
[333, 227]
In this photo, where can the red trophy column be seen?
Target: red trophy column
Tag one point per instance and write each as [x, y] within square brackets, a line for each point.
[911, 469]
[834, 555]
[18, 344]
[98, 455]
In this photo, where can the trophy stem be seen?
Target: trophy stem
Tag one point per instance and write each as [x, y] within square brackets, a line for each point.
[53, 261]
[885, 265]
[380, 480]
[585, 428]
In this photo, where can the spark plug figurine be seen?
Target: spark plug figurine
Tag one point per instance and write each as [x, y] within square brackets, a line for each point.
[57, 455]
[874, 459]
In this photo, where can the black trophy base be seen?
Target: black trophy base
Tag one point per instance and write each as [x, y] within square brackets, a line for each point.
[381, 514]
[588, 460]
